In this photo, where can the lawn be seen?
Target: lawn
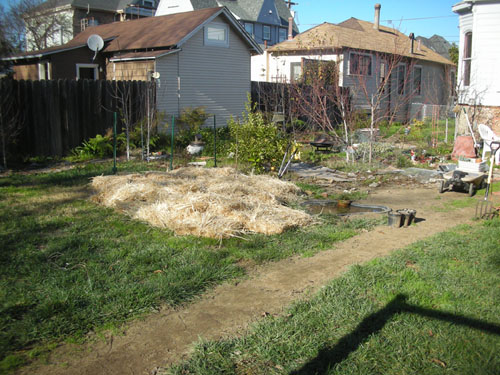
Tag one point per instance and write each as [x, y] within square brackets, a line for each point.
[69, 266]
[431, 308]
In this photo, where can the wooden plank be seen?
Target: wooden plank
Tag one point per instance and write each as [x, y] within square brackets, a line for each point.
[54, 116]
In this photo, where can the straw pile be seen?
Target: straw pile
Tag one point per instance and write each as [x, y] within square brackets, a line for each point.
[216, 203]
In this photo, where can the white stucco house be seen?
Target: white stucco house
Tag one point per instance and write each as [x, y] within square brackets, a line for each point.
[478, 83]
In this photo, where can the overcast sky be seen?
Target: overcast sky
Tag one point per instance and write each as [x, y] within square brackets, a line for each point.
[433, 16]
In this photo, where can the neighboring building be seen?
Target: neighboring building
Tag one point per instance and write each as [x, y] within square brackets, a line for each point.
[266, 20]
[438, 44]
[478, 84]
[56, 22]
[202, 58]
[364, 52]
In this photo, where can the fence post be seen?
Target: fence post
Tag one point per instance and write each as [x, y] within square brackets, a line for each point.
[172, 144]
[114, 142]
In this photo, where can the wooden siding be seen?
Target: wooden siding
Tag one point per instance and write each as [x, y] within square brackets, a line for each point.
[217, 78]
[129, 70]
[63, 64]
[485, 73]
[26, 72]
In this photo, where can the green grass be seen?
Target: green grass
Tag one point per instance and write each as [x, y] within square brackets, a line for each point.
[431, 308]
[68, 266]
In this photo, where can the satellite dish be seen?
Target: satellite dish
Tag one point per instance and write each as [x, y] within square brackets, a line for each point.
[95, 43]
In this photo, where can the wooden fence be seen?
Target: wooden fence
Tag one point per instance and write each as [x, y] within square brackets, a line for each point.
[52, 117]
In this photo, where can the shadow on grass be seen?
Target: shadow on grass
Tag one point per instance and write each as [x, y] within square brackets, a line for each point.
[372, 324]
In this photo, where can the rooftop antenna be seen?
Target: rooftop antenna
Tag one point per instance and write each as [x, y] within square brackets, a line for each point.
[95, 43]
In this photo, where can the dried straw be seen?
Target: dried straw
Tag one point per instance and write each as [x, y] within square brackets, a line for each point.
[216, 203]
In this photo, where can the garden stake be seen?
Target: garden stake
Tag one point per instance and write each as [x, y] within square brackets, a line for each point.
[172, 144]
[215, 143]
[114, 143]
[484, 208]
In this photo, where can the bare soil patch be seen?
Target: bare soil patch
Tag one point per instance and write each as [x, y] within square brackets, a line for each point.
[167, 336]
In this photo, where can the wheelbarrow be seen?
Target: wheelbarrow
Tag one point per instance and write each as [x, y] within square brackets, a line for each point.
[458, 180]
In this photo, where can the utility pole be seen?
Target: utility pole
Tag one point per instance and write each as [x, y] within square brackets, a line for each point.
[290, 3]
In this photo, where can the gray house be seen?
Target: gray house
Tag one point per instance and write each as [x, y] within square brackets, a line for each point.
[199, 58]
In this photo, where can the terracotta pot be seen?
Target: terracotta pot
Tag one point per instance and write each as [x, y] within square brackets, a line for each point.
[343, 203]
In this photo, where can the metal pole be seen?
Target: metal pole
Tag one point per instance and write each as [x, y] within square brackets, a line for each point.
[215, 143]
[446, 132]
[114, 142]
[172, 144]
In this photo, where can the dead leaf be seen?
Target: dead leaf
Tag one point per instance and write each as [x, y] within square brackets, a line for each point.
[438, 362]
[158, 271]
[264, 314]
[430, 333]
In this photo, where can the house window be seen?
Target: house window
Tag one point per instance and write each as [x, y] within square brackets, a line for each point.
[216, 35]
[467, 58]
[417, 80]
[382, 82]
[249, 28]
[84, 23]
[282, 35]
[147, 3]
[295, 71]
[87, 71]
[44, 70]
[93, 22]
[267, 33]
[401, 79]
[360, 64]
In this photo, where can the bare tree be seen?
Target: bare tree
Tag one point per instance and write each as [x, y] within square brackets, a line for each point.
[37, 24]
[318, 96]
[384, 83]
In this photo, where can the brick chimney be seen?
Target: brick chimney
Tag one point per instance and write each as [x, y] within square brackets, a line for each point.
[290, 28]
[376, 22]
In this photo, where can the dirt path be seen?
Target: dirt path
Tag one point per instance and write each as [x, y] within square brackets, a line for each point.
[166, 337]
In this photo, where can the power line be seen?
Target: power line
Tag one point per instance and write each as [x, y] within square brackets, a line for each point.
[419, 18]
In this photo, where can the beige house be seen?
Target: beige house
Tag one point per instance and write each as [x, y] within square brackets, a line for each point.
[373, 61]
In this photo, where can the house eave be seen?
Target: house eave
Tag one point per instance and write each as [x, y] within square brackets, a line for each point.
[47, 53]
[169, 52]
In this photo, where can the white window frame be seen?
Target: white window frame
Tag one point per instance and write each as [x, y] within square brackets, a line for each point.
[414, 88]
[467, 61]
[95, 66]
[264, 28]
[46, 66]
[213, 42]
[294, 78]
[361, 54]
[84, 23]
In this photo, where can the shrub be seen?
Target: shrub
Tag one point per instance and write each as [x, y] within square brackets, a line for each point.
[223, 140]
[189, 124]
[97, 147]
[256, 141]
